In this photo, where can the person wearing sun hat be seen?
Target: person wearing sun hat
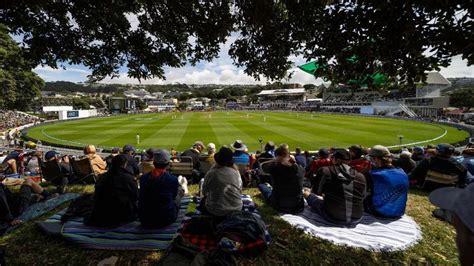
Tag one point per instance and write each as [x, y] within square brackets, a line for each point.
[388, 186]
[442, 164]
[222, 187]
[240, 156]
[457, 201]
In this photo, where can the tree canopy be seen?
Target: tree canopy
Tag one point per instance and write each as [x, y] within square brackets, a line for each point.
[462, 98]
[349, 39]
[18, 84]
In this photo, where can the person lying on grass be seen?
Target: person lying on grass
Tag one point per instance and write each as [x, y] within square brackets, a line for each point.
[160, 193]
[339, 192]
[115, 196]
[13, 205]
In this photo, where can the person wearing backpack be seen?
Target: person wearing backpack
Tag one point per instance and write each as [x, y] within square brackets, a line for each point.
[160, 194]
[339, 191]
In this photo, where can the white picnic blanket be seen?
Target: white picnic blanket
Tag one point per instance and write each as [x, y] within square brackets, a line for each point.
[371, 233]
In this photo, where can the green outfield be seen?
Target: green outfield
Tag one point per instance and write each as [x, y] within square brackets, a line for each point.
[305, 130]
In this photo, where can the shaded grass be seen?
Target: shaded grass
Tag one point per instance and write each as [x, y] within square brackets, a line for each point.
[27, 245]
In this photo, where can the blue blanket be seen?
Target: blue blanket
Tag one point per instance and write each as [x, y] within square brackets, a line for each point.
[131, 236]
[43, 207]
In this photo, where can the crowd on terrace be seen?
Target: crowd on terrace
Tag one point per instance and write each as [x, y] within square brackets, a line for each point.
[12, 119]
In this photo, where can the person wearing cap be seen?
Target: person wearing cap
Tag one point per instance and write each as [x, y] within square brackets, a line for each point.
[99, 166]
[453, 200]
[211, 151]
[132, 164]
[65, 168]
[160, 193]
[358, 162]
[194, 152]
[146, 164]
[115, 196]
[341, 190]
[387, 185]
[418, 154]
[285, 194]
[322, 161]
[439, 170]
[222, 186]
[240, 156]
[405, 162]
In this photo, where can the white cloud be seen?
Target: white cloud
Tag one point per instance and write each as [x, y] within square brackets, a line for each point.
[458, 68]
[60, 70]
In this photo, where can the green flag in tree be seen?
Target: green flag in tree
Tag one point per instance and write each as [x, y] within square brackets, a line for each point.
[310, 67]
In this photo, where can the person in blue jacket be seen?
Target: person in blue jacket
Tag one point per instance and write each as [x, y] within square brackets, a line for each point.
[388, 186]
[160, 194]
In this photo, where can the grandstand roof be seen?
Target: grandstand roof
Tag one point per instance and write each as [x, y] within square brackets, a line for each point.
[436, 78]
[282, 92]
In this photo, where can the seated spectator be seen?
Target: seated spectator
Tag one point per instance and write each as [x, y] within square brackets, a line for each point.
[358, 162]
[13, 205]
[115, 196]
[146, 164]
[132, 164]
[468, 162]
[387, 185]
[405, 162]
[418, 154]
[114, 152]
[222, 186]
[300, 158]
[240, 157]
[194, 152]
[174, 155]
[285, 194]
[269, 151]
[65, 168]
[211, 151]
[160, 194]
[341, 190]
[99, 166]
[322, 161]
[440, 170]
[11, 164]
[454, 200]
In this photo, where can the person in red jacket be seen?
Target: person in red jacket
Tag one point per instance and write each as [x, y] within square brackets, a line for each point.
[322, 161]
[360, 164]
